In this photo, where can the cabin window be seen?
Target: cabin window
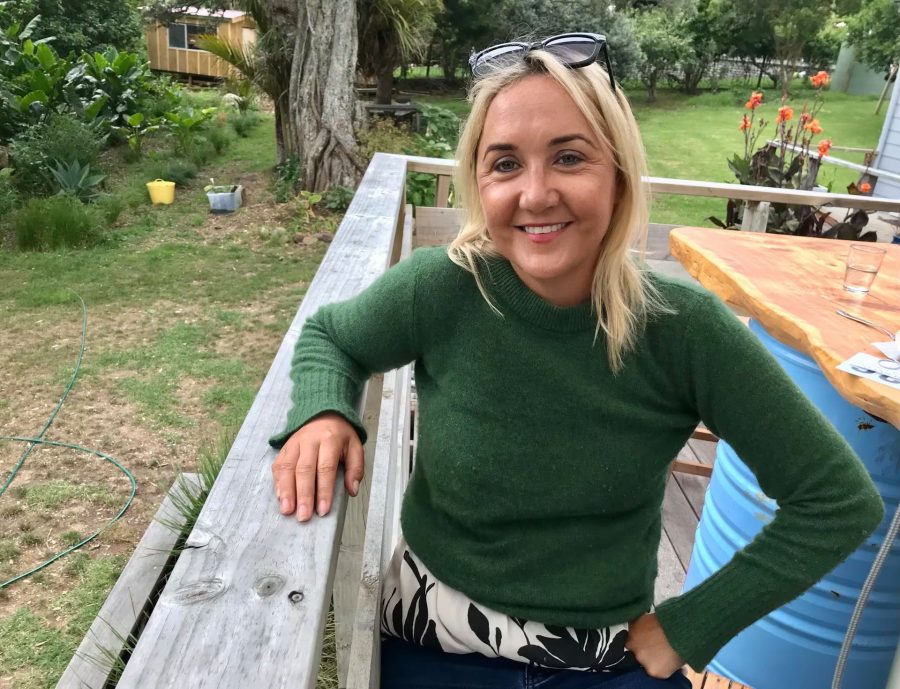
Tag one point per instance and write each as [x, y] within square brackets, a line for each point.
[186, 35]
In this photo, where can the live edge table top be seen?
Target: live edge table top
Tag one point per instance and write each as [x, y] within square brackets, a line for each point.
[793, 286]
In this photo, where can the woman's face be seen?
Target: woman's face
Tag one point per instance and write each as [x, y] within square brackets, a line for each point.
[547, 186]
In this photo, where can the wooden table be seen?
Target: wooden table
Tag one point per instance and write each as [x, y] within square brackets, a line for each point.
[792, 286]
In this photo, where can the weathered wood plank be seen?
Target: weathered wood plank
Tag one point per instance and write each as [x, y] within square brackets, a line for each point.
[679, 522]
[121, 612]
[246, 567]
[670, 573]
[364, 665]
[349, 565]
[693, 487]
[436, 226]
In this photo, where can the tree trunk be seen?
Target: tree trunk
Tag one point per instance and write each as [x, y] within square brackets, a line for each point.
[317, 114]
[384, 87]
[651, 87]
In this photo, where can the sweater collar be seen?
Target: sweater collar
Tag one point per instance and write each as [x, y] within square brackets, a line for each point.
[507, 287]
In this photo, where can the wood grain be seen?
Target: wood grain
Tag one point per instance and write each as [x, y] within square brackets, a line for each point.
[792, 286]
[123, 608]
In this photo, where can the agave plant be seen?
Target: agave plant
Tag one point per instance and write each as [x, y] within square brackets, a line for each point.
[74, 179]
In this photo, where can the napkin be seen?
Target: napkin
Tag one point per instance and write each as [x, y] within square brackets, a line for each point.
[876, 369]
[890, 349]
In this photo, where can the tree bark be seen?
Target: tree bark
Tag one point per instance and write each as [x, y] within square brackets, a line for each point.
[317, 114]
[384, 87]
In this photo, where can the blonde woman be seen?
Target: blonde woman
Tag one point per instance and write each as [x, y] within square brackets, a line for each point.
[557, 379]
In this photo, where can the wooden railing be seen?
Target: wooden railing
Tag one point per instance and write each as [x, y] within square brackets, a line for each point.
[246, 603]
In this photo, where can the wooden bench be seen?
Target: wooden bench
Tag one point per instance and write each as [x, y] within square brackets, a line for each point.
[246, 603]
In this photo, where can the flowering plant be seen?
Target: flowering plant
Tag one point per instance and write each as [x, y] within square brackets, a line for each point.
[784, 162]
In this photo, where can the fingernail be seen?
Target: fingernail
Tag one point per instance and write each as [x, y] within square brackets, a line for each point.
[323, 508]
[303, 512]
[285, 505]
[355, 487]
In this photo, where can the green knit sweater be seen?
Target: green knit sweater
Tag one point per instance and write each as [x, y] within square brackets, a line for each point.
[539, 474]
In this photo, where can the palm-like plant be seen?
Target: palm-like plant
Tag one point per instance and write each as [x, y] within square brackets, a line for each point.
[392, 32]
[266, 65]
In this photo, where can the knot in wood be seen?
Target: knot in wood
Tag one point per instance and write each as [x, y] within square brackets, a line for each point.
[269, 584]
[199, 591]
[295, 597]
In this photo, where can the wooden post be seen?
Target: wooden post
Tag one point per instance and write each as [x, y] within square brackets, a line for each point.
[443, 191]
[349, 564]
[887, 85]
[756, 216]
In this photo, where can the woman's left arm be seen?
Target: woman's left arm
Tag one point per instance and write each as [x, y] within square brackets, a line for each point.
[827, 503]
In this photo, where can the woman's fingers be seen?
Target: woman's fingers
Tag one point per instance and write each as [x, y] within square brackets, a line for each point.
[305, 469]
[283, 471]
[354, 465]
[305, 477]
[330, 451]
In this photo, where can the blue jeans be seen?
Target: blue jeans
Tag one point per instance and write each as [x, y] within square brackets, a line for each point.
[407, 666]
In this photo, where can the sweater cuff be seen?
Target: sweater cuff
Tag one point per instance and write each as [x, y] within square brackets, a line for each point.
[696, 625]
[327, 392]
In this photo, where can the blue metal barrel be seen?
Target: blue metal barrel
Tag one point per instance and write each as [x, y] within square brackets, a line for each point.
[796, 646]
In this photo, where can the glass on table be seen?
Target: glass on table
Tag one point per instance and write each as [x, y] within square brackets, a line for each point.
[863, 262]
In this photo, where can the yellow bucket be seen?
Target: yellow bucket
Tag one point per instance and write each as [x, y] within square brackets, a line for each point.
[161, 191]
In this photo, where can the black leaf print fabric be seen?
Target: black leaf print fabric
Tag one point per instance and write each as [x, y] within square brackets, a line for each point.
[420, 609]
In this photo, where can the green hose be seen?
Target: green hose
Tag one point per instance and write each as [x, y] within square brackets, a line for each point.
[39, 440]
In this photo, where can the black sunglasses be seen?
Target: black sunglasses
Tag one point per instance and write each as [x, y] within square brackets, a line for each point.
[574, 50]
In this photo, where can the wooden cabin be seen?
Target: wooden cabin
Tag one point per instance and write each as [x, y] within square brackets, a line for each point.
[172, 47]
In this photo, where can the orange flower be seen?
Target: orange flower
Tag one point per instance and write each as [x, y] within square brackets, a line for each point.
[813, 126]
[745, 123]
[755, 99]
[785, 114]
[824, 147]
[820, 79]
[865, 188]
[805, 117]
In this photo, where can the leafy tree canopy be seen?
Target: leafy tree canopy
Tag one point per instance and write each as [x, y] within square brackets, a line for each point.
[875, 30]
[78, 27]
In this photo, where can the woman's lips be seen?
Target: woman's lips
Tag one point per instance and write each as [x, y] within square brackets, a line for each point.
[542, 234]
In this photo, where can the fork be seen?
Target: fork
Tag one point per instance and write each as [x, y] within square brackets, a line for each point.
[872, 325]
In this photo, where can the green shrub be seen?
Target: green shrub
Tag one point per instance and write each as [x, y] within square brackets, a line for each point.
[9, 197]
[35, 152]
[243, 122]
[74, 179]
[337, 198]
[53, 223]
[110, 208]
[287, 180]
[383, 135]
[199, 150]
[220, 137]
[178, 171]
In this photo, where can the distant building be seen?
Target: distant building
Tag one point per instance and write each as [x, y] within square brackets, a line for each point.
[854, 77]
[888, 158]
[172, 47]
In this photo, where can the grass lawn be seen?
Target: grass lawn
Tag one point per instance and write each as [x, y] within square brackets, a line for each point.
[185, 312]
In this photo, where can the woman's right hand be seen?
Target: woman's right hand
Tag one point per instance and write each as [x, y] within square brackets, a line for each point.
[304, 470]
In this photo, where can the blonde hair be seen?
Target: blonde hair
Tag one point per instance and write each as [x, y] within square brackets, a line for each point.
[623, 296]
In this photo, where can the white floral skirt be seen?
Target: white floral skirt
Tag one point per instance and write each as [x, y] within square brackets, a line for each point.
[420, 609]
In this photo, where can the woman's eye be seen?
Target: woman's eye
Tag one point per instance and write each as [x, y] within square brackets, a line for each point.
[569, 158]
[505, 165]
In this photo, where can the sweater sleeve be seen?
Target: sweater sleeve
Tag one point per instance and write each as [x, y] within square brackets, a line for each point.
[827, 503]
[344, 343]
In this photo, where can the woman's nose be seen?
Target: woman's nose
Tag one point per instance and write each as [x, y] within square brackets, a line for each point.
[538, 191]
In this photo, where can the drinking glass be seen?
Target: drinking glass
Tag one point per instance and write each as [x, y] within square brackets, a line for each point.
[863, 262]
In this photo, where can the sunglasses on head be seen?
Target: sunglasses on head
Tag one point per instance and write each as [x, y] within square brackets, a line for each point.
[574, 50]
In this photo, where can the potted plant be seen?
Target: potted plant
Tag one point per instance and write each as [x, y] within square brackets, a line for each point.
[223, 198]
